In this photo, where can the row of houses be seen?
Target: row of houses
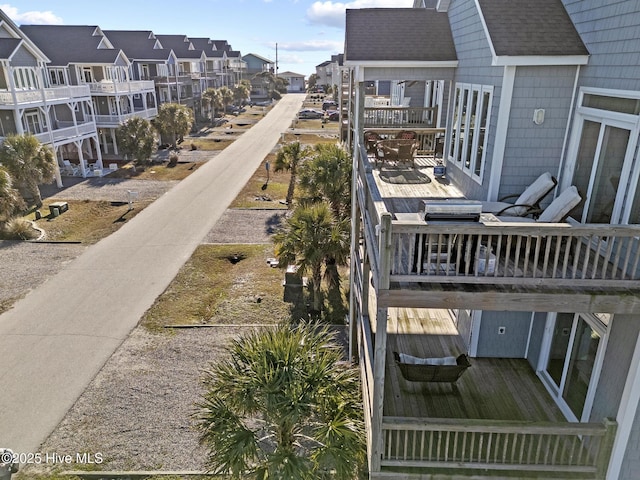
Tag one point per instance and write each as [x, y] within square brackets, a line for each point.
[498, 93]
[72, 86]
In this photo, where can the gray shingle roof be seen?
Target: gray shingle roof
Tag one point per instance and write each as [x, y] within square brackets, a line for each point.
[136, 44]
[525, 27]
[179, 46]
[398, 34]
[65, 44]
[8, 46]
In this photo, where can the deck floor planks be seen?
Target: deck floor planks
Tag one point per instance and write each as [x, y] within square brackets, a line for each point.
[500, 389]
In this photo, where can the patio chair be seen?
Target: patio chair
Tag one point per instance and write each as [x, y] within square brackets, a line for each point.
[526, 202]
[396, 149]
[557, 211]
[370, 141]
[407, 135]
[440, 369]
[70, 168]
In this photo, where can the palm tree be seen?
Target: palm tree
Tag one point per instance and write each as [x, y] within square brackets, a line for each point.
[137, 139]
[283, 406]
[241, 91]
[10, 199]
[313, 240]
[326, 175]
[211, 96]
[226, 95]
[30, 163]
[173, 121]
[288, 159]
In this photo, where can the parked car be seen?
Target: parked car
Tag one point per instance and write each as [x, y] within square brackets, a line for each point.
[308, 113]
[333, 115]
[329, 105]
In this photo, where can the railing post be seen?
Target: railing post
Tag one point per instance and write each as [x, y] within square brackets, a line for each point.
[606, 447]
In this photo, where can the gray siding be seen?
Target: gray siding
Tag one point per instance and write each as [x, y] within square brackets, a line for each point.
[611, 32]
[622, 340]
[23, 58]
[511, 344]
[631, 462]
[474, 66]
[533, 149]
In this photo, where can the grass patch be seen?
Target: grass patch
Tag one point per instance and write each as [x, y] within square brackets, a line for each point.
[87, 221]
[310, 138]
[252, 194]
[209, 144]
[155, 172]
[211, 289]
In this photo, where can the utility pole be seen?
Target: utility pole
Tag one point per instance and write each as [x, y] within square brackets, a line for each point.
[276, 59]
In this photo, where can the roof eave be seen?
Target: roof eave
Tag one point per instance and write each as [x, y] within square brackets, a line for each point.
[401, 64]
[538, 60]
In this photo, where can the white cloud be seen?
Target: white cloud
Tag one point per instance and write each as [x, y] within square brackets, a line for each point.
[33, 17]
[311, 46]
[332, 13]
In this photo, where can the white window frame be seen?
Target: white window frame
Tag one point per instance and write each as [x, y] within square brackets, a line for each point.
[459, 151]
[556, 390]
[627, 121]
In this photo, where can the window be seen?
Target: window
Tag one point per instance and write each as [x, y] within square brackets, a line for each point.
[57, 76]
[602, 157]
[470, 121]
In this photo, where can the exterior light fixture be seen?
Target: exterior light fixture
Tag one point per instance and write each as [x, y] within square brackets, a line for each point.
[538, 116]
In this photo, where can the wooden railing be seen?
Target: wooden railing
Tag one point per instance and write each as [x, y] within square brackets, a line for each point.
[430, 140]
[527, 253]
[404, 117]
[498, 445]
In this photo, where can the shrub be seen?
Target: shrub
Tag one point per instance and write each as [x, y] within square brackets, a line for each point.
[19, 229]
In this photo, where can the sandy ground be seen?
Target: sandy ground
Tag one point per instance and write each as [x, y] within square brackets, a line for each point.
[137, 412]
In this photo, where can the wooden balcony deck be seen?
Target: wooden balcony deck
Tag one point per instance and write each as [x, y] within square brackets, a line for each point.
[492, 389]
[594, 267]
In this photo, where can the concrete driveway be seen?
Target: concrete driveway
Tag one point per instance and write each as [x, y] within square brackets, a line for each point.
[55, 340]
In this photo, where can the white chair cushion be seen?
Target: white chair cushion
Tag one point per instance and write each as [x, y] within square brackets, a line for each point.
[410, 359]
[561, 206]
[531, 196]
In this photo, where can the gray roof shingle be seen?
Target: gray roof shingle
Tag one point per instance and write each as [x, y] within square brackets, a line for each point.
[136, 44]
[65, 44]
[8, 46]
[398, 34]
[525, 27]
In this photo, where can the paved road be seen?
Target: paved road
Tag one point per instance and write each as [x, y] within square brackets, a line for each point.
[55, 340]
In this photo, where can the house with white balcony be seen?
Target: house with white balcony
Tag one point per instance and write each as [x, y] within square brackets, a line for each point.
[84, 55]
[44, 103]
[493, 95]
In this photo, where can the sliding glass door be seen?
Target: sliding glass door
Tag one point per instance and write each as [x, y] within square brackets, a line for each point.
[572, 360]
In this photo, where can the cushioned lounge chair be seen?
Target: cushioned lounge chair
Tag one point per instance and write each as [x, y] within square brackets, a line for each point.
[557, 211]
[527, 201]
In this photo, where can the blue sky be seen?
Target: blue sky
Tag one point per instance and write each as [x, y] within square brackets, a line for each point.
[307, 32]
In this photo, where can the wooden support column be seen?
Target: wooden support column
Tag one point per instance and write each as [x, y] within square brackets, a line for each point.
[380, 347]
[354, 319]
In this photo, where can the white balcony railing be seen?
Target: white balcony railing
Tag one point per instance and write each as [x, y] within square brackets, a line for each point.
[66, 133]
[115, 120]
[47, 95]
[112, 88]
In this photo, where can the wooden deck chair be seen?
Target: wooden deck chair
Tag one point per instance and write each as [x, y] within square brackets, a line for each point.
[527, 201]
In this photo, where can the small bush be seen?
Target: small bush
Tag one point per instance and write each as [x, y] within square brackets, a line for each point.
[173, 158]
[19, 229]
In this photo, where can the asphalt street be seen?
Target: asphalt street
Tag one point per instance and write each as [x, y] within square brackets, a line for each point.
[57, 338]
